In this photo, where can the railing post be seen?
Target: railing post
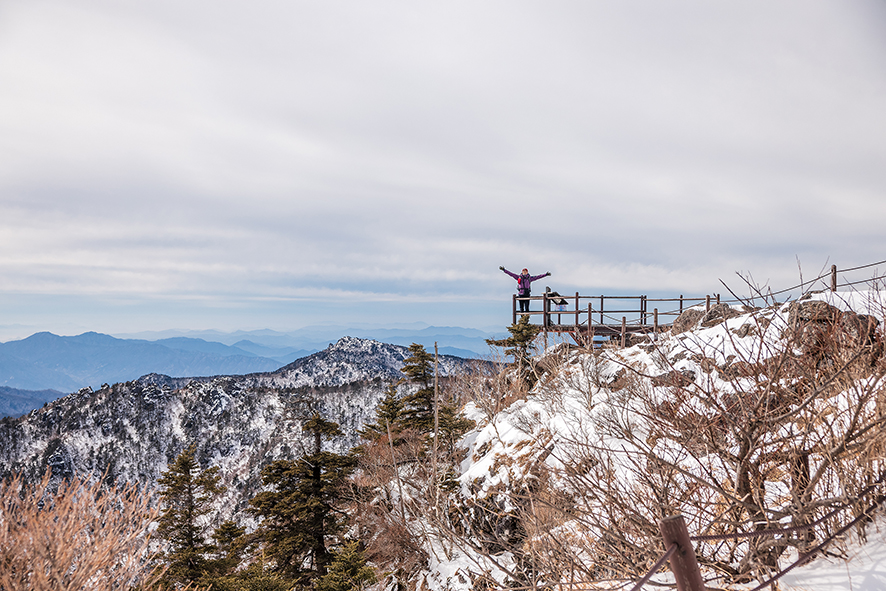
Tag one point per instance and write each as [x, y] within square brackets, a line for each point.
[655, 321]
[718, 299]
[590, 326]
[514, 309]
[601, 310]
[624, 322]
[684, 564]
[544, 307]
[643, 310]
[833, 277]
[577, 319]
[681, 303]
[707, 303]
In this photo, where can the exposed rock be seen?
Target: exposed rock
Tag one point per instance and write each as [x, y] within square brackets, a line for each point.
[619, 381]
[859, 329]
[676, 379]
[717, 314]
[687, 320]
[746, 329]
[707, 364]
[810, 323]
[823, 332]
[680, 356]
[738, 369]
[811, 311]
[636, 339]
[858, 333]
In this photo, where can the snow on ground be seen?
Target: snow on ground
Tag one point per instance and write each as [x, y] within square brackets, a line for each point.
[865, 569]
[502, 448]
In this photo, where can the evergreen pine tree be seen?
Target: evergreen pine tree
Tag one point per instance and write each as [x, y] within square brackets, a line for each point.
[418, 412]
[230, 544]
[388, 415]
[255, 577]
[520, 345]
[452, 426]
[348, 571]
[300, 514]
[187, 495]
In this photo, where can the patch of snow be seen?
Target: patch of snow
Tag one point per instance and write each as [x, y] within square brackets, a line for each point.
[863, 570]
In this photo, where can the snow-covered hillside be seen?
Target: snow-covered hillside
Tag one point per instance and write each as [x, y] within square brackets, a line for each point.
[132, 430]
[741, 419]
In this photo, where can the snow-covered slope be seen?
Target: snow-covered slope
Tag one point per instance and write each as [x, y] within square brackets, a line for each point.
[863, 569]
[622, 425]
[349, 360]
[132, 430]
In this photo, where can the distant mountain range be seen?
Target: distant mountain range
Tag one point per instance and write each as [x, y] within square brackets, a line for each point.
[48, 361]
[14, 402]
[43, 366]
[451, 340]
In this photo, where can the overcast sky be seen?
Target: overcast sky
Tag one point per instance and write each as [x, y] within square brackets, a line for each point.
[237, 165]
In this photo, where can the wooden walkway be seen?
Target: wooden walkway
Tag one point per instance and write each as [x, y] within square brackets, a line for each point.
[605, 317]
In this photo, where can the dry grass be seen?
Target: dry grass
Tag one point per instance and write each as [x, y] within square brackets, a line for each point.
[81, 536]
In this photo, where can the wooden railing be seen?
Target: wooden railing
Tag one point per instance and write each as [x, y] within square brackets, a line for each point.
[605, 315]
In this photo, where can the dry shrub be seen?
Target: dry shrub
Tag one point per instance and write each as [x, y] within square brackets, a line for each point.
[81, 536]
[785, 441]
[490, 386]
[777, 436]
[382, 503]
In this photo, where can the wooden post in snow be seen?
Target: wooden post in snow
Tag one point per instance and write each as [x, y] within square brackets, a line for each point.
[684, 564]
[624, 322]
[833, 277]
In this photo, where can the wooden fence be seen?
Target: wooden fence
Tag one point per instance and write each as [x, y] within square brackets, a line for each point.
[607, 317]
[604, 316]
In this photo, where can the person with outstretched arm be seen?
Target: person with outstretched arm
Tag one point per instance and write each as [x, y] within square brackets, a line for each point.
[524, 286]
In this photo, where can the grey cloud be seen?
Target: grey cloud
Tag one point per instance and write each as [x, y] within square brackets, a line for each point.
[405, 150]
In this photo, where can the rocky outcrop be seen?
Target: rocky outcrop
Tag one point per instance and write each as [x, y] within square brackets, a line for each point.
[675, 379]
[803, 312]
[695, 317]
[687, 320]
[717, 314]
[822, 332]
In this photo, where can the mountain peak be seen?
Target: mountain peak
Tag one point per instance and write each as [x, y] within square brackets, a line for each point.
[354, 345]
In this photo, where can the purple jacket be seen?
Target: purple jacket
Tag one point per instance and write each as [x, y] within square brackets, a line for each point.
[524, 282]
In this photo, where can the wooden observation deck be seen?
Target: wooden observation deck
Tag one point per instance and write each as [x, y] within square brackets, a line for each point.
[605, 317]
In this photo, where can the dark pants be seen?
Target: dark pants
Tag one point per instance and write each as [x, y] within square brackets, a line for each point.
[524, 304]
